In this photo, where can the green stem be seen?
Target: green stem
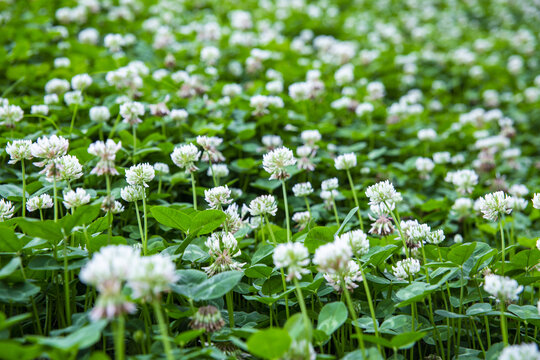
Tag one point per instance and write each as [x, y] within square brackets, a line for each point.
[23, 189]
[109, 212]
[119, 351]
[351, 183]
[134, 134]
[503, 246]
[504, 328]
[111, 134]
[335, 211]
[307, 322]
[145, 241]
[141, 231]
[370, 303]
[286, 211]
[193, 191]
[281, 270]
[73, 118]
[164, 330]
[55, 194]
[34, 308]
[66, 285]
[353, 316]
[230, 308]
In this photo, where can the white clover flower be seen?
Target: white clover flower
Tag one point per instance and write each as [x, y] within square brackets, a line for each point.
[19, 150]
[57, 86]
[73, 98]
[364, 108]
[302, 218]
[536, 201]
[210, 54]
[108, 270]
[382, 222]
[132, 193]
[276, 161]
[518, 190]
[520, 352]
[462, 206]
[231, 90]
[405, 268]
[11, 114]
[112, 263]
[81, 81]
[464, 180]
[424, 165]
[333, 258]
[538, 244]
[106, 151]
[40, 202]
[185, 157]
[417, 233]
[178, 115]
[6, 210]
[458, 239]
[210, 145]
[442, 157]
[351, 275]
[99, 114]
[49, 148]
[330, 184]
[76, 198]
[223, 247]
[161, 168]
[140, 174]
[345, 161]
[88, 36]
[39, 110]
[383, 193]
[435, 237]
[263, 205]
[517, 203]
[152, 276]
[427, 135]
[218, 196]
[271, 142]
[494, 205]
[357, 240]
[66, 168]
[294, 257]
[219, 170]
[131, 111]
[302, 189]
[310, 137]
[502, 288]
[233, 219]
[50, 99]
[114, 206]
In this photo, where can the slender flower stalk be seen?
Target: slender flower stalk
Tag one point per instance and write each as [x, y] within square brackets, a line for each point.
[193, 191]
[163, 329]
[287, 219]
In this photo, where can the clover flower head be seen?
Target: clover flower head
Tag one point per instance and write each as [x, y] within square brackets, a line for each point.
[383, 193]
[223, 247]
[464, 180]
[49, 148]
[185, 157]
[310, 137]
[218, 170]
[6, 210]
[76, 198]
[536, 201]
[494, 205]
[520, 352]
[302, 218]
[333, 257]
[152, 276]
[10, 114]
[276, 161]
[131, 111]
[132, 193]
[294, 257]
[19, 150]
[81, 81]
[161, 168]
[66, 168]
[43, 201]
[263, 205]
[405, 268]
[302, 189]
[207, 318]
[140, 174]
[218, 196]
[99, 114]
[357, 240]
[348, 278]
[502, 288]
[435, 237]
[345, 161]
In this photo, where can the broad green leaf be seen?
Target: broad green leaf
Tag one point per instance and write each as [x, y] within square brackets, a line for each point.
[263, 253]
[83, 215]
[461, 253]
[170, 217]
[524, 312]
[9, 241]
[48, 229]
[18, 293]
[414, 292]
[258, 271]
[318, 236]
[79, 339]
[370, 354]
[185, 337]
[204, 222]
[331, 317]
[217, 286]
[97, 242]
[296, 328]
[12, 349]
[477, 309]
[377, 254]
[405, 339]
[188, 282]
[269, 344]
[448, 314]
[7, 323]
[10, 267]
